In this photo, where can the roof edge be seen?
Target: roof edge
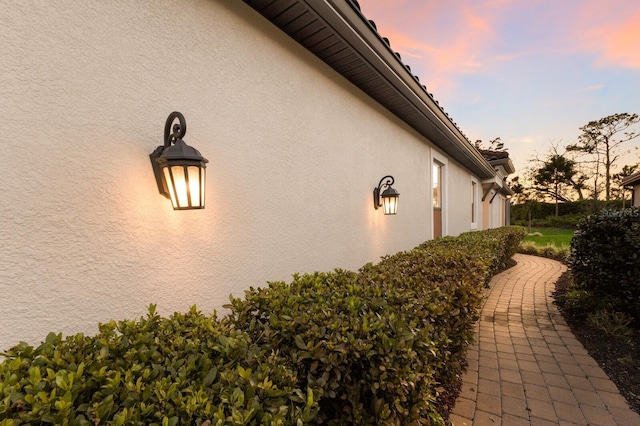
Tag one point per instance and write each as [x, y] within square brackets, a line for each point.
[339, 34]
[417, 93]
[631, 180]
[505, 162]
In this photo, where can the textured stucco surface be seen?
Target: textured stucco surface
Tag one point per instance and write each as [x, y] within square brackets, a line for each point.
[460, 205]
[294, 149]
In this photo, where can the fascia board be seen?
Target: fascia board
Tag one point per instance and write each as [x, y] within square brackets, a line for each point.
[632, 180]
[347, 22]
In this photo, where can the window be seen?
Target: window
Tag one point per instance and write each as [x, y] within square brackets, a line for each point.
[437, 186]
[473, 201]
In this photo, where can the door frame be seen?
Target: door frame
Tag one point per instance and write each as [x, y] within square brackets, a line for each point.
[442, 160]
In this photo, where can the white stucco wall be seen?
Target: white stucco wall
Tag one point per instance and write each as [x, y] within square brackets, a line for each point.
[294, 149]
[636, 196]
[497, 211]
[460, 199]
[492, 211]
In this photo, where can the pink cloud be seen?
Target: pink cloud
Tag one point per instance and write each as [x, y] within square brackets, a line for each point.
[621, 46]
[589, 88]
[445, 40]
[611, 31]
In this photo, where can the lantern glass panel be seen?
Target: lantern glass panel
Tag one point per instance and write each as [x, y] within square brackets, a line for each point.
[180, 186]
[194, 185]
[169, 182]
[202, 180]
[390, 204]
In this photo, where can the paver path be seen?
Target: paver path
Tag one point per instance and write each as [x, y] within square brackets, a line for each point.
[527, 367]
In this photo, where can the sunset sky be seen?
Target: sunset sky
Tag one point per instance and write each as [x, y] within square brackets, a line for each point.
[529, 71]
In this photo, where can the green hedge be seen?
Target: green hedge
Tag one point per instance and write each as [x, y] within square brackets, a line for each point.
[186, 369]
[383, 345]
[605, 258]
[543, 214]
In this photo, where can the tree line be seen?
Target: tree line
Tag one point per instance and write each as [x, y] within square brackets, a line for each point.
[586, 169]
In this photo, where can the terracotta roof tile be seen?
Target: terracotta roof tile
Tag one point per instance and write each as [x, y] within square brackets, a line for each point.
[493, 155]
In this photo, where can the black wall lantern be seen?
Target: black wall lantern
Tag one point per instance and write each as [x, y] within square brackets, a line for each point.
[179, 169]
[388, 200]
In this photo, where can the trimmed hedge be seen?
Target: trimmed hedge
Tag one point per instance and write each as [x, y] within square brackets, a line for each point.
[384, 345]
[186, 369]
[605, 258]
[543, 214]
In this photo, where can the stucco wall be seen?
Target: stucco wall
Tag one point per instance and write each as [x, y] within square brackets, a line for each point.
[460, 200]
[294, 149]
[498, 211]
[491, 210]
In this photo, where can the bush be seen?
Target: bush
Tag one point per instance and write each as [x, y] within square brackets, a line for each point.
[605, 258]
[569, 214]
[550, 251]
[365, 360]
[613, 323]
[383, 345]
[491, 248]
[187, 369]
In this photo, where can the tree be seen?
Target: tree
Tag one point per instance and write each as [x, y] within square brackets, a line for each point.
[556, 169]
[601, 139]
[555, 172]
[617, 178]
[494, 145]
[521, 192]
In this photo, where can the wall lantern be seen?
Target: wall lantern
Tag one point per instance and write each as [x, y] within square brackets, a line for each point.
[179, 169]
[388, 200]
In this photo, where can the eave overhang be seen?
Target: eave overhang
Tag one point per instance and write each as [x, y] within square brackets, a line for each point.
[504, 162]
[496, 184]
[632, 180]
[506, 190]
[339, 34]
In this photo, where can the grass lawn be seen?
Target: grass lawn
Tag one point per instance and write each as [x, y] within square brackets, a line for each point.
[556, 236]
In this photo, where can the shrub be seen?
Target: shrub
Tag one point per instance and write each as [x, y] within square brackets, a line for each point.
[491, 248]
[543, 214]
[365, 358]
[186, 369]
[605, 258]
[613, 323]
[550, 251]
[385, 345]
[568, 221]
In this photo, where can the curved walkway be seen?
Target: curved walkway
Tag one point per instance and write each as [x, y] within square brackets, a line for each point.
[527, 367]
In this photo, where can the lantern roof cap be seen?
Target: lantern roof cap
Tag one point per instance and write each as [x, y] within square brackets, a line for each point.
[181, 151]
[390, 192]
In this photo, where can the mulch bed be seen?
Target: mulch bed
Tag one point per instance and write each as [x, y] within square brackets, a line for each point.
[619, 357]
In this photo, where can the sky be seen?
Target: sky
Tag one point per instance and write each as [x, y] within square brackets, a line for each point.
[531, 72]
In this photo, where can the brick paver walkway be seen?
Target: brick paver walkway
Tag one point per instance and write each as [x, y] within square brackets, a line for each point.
[526, 367]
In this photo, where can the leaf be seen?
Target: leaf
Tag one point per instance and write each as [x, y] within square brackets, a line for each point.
[245, 374]
[300, 343]
[309, 396]
[210, 377]
[52, 338]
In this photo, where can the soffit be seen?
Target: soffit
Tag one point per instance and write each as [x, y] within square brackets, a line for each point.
[632, 180]
[504, 162]
[338, 33]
